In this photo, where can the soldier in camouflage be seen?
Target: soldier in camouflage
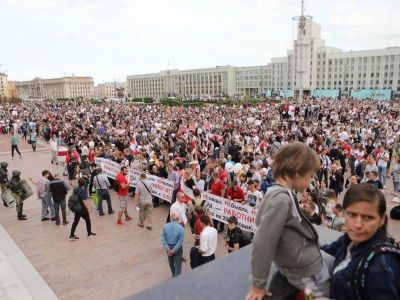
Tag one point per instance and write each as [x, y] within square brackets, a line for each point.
[16, 189]
[4, 184]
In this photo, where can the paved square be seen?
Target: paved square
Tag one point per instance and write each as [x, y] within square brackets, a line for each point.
[118, 262]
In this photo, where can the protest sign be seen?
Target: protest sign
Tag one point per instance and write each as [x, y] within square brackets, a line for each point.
[222, 208]
[160, 187]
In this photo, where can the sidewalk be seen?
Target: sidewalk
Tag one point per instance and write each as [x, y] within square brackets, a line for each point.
[19, 280]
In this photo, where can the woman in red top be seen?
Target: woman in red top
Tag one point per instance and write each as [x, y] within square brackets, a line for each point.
[218, 189]
[236, 193]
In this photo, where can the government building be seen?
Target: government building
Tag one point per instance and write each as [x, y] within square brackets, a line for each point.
[310, 68]
[110, 90]
[72, 87]
[3, 86]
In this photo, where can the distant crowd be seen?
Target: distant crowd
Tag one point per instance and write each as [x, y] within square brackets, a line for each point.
[353, 143]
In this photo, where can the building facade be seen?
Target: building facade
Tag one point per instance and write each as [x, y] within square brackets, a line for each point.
[111, 90]
[56, 88]
[3, 85]
[215, 82]
[309, 67]
[11, 90]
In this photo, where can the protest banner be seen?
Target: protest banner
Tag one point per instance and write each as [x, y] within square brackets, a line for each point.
[222, 208]
[110, 168]
[160, 187]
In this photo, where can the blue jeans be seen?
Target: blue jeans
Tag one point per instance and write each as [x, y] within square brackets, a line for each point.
[47, 203]
[175, 261]
[104, 195]
[382, 174]
[396, 187]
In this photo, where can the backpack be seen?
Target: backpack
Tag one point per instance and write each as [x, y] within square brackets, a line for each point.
[360, 280]
[115, 185]
[73, 202]
[14, 185]
[3, 176]
[246, 240]
[201, 204]
[359, 170]
[395, 212]
[193, 219]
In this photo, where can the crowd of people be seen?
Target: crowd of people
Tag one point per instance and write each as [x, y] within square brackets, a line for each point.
[352, 143]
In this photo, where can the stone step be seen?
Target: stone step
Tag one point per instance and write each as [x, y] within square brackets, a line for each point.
[19, 280]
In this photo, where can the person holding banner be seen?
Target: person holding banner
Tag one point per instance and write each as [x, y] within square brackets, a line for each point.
[218, 188]
[123, 187]
[284, 235]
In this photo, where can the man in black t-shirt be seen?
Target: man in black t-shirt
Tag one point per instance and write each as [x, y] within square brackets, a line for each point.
[235, 239]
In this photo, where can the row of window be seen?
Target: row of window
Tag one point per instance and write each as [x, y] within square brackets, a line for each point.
[372, 59]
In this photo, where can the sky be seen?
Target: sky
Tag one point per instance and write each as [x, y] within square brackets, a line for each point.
[110, 40]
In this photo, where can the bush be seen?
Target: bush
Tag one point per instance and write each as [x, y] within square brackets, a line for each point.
[171, 102]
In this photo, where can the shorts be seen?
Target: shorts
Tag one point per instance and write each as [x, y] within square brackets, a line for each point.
[123, 203]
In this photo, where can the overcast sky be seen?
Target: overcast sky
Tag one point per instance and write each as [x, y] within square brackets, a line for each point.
[112, 39]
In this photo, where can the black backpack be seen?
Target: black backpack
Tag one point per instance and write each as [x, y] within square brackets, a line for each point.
[246, 240]
[115, 185]
[395, 212]
[73, 202]
[14, 185]
[3, 176]
[359, 170]
[360, 280]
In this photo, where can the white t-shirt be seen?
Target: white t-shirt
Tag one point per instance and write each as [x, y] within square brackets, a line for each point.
[381, 162]
[54, 145]
[208, 241]
[180, 209]
[343, 136]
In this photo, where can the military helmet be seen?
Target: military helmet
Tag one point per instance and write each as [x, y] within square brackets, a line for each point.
[16, 173]
[4, 164]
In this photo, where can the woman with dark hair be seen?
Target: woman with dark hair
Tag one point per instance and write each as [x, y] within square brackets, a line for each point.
[367, 264]
[81, 192]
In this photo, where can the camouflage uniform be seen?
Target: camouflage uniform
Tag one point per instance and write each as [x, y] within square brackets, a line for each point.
[17, 194]
[4, 179]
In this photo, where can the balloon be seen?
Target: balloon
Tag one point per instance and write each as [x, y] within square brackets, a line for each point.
[229, 167]
[237, 168]
[250, 120]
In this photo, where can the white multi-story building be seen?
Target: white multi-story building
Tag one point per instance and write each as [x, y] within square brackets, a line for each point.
[219, 81]
[56, 88]
[111, 90]
[3, 86]
[310, 67]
